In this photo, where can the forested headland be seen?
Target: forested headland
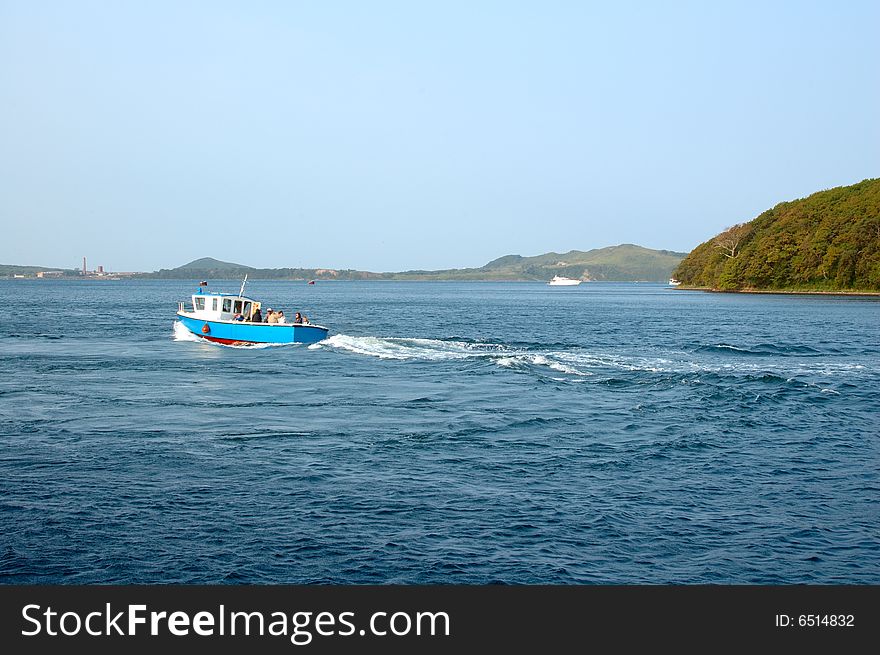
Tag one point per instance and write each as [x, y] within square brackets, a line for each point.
[828, 241]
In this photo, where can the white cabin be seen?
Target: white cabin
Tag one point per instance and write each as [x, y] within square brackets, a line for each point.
[221, 306]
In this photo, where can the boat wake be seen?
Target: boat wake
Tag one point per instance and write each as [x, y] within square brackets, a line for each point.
[410, 349]
[182, 334]
[576, 362]
[571, 363]
[439, 350]
[763, 350]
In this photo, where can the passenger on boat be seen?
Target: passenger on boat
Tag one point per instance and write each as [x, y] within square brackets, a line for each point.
[300, 319]
[238, 317]
[273, 317]
[257, 316]
[279, 316]
[268, 314]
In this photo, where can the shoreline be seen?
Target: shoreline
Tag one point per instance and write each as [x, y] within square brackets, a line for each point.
[147, 277]
[786, 292]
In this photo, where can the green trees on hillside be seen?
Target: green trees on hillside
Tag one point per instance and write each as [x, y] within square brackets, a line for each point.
[827, 241]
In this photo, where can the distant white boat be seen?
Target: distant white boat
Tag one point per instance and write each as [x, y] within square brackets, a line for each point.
[559, 281]
[673, 282]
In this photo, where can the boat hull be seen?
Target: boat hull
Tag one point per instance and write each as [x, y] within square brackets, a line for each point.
[243, 333]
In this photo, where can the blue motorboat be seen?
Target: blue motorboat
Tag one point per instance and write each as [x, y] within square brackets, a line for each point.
[229, 319]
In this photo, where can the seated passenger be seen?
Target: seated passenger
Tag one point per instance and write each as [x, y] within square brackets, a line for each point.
[257, 316]
[273, 317]
[238, 317]
[301, 319]
[279, 316]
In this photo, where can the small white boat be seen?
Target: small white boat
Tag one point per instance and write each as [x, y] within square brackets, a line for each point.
[559, 281]
[673, 282]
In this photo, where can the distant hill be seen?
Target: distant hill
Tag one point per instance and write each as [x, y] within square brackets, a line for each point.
[625, 262]
[211, 264]
[209, 268]
[829, 241]
[13, 269]
[206, 267]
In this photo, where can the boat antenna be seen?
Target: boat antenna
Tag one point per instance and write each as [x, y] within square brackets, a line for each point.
[243, 282]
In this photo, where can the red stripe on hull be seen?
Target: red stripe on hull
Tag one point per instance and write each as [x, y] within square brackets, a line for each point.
[230, 342]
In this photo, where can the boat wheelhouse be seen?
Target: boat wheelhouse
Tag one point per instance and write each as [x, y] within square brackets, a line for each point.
[228, 319]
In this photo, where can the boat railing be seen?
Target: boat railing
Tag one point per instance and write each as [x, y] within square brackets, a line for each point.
[180, 306]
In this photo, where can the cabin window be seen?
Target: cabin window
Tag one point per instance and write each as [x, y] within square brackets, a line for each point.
[247, 309]
[215, 304]
[237, 307]
[227, 305]
[200, 304]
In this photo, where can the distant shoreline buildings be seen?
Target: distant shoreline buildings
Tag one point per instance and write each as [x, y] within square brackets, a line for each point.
[101, 273]
[98, 272]
[34, 272]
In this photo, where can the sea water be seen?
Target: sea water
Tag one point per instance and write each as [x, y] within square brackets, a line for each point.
[443, 433]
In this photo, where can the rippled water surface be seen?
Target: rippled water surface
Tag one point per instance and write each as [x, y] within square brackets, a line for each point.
[444, 433]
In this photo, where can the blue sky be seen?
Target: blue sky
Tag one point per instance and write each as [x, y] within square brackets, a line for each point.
[396, 135]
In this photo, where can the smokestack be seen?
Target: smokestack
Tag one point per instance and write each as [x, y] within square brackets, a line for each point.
[84, 265]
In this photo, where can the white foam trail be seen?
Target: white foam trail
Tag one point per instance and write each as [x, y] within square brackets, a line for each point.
[182, 334]
[686, 365]
[407, 349]
[577, 363]
[596, 360]
[726, 346]
[438, 350]
[549, 362]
